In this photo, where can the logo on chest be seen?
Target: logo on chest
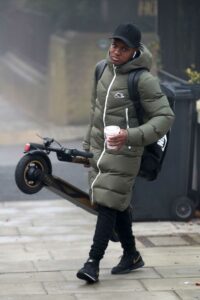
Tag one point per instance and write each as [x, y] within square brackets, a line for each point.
[119, 95]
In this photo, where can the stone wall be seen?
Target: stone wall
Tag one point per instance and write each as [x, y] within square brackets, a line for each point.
[72, 61]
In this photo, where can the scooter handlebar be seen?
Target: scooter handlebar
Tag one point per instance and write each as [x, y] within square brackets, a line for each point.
[75, 152]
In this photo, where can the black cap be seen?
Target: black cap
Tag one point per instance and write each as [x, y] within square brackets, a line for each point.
[129, 34]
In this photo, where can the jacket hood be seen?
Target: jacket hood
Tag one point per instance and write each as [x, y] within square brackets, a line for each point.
[144, 60]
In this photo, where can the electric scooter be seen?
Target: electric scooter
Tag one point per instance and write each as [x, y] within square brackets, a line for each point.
[34, 171]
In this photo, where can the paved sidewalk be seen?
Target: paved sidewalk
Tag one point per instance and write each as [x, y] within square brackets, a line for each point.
[43, 243]
[17, 127]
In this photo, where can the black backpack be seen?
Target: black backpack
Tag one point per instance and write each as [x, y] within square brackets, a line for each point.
[154, 154]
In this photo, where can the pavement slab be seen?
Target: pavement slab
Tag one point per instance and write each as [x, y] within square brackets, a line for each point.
[6, 231]
[102, 286]
[13, 267]
[179, 271]
[40, 297]
[189, 294]
[44, 243]
[129, 296]
[30, 277]
[168, 240]
[195, 237]
[161, 284]
[21, 288]
[106, 275]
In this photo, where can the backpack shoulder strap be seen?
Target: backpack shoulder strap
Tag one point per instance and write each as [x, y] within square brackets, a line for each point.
[133, 79]
[100, 67]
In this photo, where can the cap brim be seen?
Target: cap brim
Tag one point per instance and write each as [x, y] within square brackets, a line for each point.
[127, 42]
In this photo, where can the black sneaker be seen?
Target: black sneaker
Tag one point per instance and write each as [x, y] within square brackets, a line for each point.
[90, 271]
[128, 263]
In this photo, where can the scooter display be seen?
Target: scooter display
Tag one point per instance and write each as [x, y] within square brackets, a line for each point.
[34, 172]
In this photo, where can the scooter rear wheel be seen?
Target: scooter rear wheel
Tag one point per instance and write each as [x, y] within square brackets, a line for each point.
[28, 173]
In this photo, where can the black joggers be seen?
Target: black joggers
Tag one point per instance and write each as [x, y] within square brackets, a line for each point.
[108, 220]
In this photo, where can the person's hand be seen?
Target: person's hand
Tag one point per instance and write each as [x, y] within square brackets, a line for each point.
[118, 140]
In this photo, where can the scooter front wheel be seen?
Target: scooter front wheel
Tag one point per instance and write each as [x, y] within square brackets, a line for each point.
[29, 172]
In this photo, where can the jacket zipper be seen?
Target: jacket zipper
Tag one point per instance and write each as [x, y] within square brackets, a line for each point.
[104, 123]
[127, 122]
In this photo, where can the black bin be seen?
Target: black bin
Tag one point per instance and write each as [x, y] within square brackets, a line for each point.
[197, 163]
[171, 195]
[197, 169]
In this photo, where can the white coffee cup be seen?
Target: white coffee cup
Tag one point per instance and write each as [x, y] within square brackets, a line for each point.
[110, 131]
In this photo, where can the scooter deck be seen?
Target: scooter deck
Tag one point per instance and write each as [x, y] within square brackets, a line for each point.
[69, 192]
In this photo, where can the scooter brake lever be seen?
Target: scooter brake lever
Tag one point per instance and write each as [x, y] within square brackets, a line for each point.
[48, 141]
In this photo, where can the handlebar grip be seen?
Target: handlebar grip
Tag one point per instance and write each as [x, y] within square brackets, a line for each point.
[81, 160]
[86, 154]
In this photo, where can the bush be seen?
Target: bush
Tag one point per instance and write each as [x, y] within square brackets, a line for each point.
[194, 76]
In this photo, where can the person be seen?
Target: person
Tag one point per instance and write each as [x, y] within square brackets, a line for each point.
[113, 171]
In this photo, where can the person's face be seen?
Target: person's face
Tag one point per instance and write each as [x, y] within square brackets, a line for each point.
[120, 53]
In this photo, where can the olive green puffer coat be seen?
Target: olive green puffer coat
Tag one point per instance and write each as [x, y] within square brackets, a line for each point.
[113, 172]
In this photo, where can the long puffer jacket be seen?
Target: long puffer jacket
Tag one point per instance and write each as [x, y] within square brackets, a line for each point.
[113, 172]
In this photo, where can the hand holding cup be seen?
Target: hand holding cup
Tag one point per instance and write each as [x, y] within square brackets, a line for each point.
[115, 137]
